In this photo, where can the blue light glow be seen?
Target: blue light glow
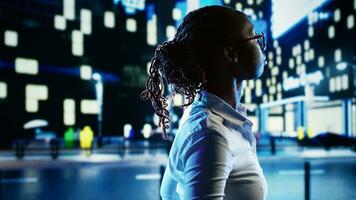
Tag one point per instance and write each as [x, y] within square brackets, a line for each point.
[288, 13]
[131, 6]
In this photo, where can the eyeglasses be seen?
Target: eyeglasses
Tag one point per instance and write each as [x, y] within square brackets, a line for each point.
[260, 40]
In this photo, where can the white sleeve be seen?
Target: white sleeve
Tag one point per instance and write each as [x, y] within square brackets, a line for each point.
[208, 163]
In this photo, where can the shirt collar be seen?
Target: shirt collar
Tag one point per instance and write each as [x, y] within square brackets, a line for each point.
[236, 118]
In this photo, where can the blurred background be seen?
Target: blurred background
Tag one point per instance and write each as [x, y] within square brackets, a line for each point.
[72, 125]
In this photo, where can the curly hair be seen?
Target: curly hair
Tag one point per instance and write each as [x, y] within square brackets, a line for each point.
[185, 62]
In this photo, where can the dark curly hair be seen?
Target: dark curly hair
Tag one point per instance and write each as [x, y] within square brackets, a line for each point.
[187, 61]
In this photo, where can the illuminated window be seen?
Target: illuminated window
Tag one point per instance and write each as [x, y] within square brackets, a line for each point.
[285, 75]
[33, 94]
[321, 61]
[270, 64]
[350, 21]
[238, 6]
[337, 15]
[279, 87]
[260, 14]
[85, 21]
[265, 98]
[270, 55]
[38, 92]
[85, 72]
[170, 32]
[273, 80]
[303, 69]
[275, 43]
[310, 31]
[249, 11]
[69, 9]
[337, 55]
[306, 44]
[148, 67]
[311, 54]
[227, 1]
[176, 14]
[270, 98]
[279, 96]
[69, 112]
[331, 32]
[345, 82]
[258, 90]
[250, 2]
[268, 82]
[279, 51]
[146, 130]
[251, 84]
[247, 95]
[299, 60]
[272, 90]
[88, 106]
[11, 38]
[338, 83]
[59, 22]
[152, 31]
[127, 130]
[3, 90]
[131, 25]
[299, 49]
[275, 71]
[31, 105]
[26, 66]
[109, 19]
[77, 43]
[279, 60]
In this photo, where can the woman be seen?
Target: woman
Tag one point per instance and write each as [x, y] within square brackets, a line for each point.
[213, 154]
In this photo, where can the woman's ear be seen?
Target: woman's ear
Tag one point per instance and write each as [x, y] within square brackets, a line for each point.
[230, 55]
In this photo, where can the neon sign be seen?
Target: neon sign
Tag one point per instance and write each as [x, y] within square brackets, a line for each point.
[307, 79]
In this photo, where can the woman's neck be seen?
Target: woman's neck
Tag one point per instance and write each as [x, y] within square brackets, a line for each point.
[230, 92]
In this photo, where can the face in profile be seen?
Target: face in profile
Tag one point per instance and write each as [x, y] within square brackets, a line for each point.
[249, 49]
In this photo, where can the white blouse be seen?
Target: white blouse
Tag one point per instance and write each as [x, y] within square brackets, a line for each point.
[213, 155]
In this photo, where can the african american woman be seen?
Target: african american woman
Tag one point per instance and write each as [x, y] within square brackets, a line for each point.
[213, 155]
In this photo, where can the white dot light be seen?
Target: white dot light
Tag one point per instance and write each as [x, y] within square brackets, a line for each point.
[131, 25]
[331, 32]
[337, 55]
[60, 22]
[109, 19]
[11, 38]
[337, 15]
[3, 90]
[321, 61]
[350, 21]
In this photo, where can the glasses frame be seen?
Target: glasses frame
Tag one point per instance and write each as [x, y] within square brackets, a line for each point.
[261, 43]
